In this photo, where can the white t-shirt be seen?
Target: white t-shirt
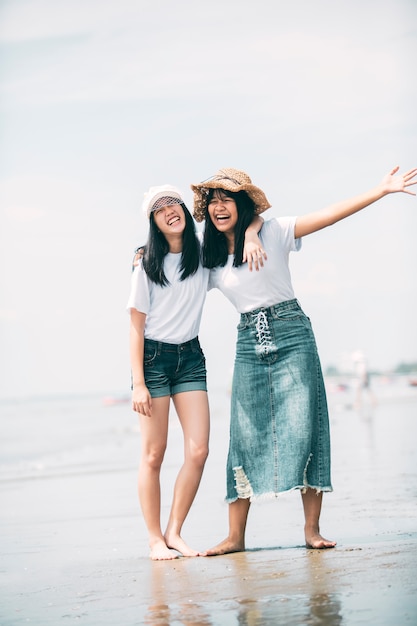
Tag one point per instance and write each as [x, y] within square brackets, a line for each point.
[173, 313]
[272, 284]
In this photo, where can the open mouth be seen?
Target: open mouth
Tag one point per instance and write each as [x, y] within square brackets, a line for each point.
[222, 218]
[173, 220]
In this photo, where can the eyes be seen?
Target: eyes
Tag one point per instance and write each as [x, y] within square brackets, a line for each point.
[163, 209]
[224, 200]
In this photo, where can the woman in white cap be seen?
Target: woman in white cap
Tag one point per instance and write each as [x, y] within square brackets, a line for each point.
[168, 290]
[279, 428]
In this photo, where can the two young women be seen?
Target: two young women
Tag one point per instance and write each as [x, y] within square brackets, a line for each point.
[279, 428]
[167, 295]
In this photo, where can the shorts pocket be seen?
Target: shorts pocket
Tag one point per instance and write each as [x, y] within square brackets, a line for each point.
[149, 355]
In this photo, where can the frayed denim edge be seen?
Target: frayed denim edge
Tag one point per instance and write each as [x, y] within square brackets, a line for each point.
[271, 495]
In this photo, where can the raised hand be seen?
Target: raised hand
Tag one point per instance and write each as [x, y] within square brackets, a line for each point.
[393, 183]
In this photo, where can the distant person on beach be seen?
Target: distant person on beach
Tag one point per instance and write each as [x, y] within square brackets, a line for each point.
[362, 380]
[279, 428]
[168, 290]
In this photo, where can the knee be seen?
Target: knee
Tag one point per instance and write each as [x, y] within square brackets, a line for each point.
[153, 457]
[199, 454]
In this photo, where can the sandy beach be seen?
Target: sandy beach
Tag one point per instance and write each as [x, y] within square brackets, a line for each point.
[74, 545]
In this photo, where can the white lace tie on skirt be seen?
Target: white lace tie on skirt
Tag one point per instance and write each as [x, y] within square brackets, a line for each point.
[263, 333]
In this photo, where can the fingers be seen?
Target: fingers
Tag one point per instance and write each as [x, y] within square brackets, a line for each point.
[410, 174]
[408, 180]
[136, 260]
[259, 261]
[402, 181]
[256, 260]
[254, 263]
[407, 175]
[144, 408]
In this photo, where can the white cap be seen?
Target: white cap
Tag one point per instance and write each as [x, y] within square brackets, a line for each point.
[172, 194]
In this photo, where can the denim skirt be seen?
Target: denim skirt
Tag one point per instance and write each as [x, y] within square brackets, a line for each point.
[279, 428]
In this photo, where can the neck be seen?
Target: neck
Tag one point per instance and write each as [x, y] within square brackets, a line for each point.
[230, 242]
[175, 243]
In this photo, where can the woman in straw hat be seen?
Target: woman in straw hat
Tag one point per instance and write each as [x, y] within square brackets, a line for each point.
[168, 290]
[279, 428]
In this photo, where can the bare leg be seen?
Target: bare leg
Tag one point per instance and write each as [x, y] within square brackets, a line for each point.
[193, 412]
[235, 542]
[312, 508]
[154, 432]
[358, 398]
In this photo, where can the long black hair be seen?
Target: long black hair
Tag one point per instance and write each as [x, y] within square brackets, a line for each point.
[157, 248]
[215, 250]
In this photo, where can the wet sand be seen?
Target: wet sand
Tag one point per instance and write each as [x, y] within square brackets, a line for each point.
[74, 545]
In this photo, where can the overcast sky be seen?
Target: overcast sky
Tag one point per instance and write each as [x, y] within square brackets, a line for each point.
[316, 101]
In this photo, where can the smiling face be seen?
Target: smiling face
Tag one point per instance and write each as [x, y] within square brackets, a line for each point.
[223, 212]
[170, 219]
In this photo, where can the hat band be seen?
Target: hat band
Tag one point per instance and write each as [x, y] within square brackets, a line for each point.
[165, 201]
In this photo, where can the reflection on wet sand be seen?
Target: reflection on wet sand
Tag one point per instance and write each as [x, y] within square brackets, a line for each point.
[259, 606]
[249, 594]
[174, 590]
[325, 604]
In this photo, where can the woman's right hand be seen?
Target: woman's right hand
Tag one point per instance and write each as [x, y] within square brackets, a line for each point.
[139, 252]
[142, 400]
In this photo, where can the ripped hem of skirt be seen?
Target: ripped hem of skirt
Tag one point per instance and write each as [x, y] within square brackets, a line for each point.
[272, 495]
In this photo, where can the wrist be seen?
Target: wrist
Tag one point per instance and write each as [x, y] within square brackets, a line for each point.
[382, 190]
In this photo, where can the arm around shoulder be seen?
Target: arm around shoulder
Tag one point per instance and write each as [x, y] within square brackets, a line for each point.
[253, 252]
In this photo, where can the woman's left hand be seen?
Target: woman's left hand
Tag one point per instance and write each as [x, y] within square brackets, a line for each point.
[393, 183]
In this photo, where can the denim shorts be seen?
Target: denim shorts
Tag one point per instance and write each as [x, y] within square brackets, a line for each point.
[279, 429]
[174, 368]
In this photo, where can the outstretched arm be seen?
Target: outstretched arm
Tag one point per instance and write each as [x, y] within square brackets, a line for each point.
[310, 223]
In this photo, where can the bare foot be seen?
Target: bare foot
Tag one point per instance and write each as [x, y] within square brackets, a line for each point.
[316, 541]
[161, 552]
[177, 543]
[227, 546]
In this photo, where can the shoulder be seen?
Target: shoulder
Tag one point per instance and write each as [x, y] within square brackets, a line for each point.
[279, 224]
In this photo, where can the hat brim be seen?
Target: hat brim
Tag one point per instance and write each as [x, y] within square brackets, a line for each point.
[201, 191]
[156, 193]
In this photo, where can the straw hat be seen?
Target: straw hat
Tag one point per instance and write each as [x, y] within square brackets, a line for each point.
[230, 180]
